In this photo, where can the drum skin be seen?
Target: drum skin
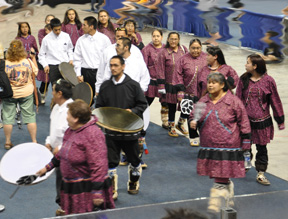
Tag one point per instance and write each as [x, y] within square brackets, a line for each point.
[68, 73]
[84, 92]
[25, 159]
[119, 120]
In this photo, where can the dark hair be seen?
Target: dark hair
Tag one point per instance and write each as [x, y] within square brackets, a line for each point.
[110, 26]
[19, 28]
[55, 22]
[77, 20]
[49, 16]
[121, 29]
[48, 26]
[126, 42]
[130, 21]
[91, 21]
[218, 77]
[160, 31]
[260, 69]
[122, 61]
[65, 87]
[182, 213]
[167, 43]
[195, 40]
[259, 61]
[215, 50]
[80, 110]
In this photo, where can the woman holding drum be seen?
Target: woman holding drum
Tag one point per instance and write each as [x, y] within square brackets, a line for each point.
[83, 163]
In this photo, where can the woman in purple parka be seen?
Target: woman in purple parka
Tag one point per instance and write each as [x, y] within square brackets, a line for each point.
[150, 55]
[72, 25]
[166, 67]
[105, 25]
[134, 36]
[258, 91]
[224, 134]
[215, 63]
[187, 69]
[83, 163]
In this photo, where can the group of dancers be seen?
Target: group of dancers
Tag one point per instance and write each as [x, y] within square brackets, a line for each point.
[125, 73]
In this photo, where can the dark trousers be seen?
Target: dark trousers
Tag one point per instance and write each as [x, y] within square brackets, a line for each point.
[42, 87]
[54, 74]
[89, 76]
[130, 148]
[261, 161]
[172, 111]
[58, 184]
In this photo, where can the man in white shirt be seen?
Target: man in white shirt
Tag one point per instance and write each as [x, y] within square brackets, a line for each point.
[134, 67]
[108, 53]
[56, 47]
[88, 50]
[62, 93]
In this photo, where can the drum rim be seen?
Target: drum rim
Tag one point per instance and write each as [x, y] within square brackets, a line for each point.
[118, 130]
[115, 129]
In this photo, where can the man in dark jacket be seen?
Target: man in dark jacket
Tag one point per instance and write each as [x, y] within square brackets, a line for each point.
[122, 92]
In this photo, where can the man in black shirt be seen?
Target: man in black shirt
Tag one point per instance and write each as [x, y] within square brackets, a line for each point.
[122, 92]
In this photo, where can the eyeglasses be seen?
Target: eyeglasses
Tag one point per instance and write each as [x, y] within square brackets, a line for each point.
[120, 29]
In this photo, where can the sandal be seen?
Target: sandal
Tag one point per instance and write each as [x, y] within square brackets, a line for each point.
[262, 179]
[8, 146]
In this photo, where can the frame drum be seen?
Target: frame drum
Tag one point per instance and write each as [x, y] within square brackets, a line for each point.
[68, 73]
[25, 159]
[84, 92]
[119, 120]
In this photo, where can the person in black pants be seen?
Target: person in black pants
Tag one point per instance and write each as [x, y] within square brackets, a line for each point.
[122, 92]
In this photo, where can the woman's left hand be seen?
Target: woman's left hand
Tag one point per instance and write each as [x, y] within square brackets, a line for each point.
[135, 37]
[98, 202]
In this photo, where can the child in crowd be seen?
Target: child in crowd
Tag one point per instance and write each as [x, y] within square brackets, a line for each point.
[44, 78]
[72, 25]
[24, 34]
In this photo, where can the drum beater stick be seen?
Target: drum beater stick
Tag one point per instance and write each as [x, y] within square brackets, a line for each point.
[18, 187]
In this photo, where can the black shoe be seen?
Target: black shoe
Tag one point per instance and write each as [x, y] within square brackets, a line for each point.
[233, 1]
[133, 188]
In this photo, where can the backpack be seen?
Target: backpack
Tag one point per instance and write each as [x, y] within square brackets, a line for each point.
[5, 86]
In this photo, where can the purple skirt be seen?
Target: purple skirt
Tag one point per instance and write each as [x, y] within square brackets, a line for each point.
[77, 197]
[152, 91]
[171, 98]
[220, 163]
[262, 136]
[42, 76]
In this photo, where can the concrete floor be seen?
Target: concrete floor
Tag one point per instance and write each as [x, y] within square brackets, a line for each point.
[235, 56]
